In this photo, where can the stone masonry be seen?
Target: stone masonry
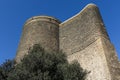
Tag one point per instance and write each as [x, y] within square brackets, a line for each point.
[82, 37]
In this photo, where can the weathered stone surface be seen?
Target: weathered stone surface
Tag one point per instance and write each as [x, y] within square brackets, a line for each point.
[92, 58]
[82, 37]
[39, 29]
[112, 59]
[81, 30]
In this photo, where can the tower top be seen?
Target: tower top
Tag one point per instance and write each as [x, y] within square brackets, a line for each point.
[43, 18]
[85, 9]
[91, 5]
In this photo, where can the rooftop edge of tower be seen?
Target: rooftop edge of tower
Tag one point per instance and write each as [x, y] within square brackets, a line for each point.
[43, 18]
[90, 5]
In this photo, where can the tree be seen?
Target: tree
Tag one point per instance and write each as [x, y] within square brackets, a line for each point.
[42, 65]
[5, 69]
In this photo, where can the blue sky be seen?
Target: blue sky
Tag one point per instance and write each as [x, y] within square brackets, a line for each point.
[13, 14]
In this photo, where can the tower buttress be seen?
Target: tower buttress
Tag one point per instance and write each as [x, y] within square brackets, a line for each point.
[84, 38]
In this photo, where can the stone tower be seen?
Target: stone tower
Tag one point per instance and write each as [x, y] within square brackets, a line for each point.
[42, 30]
[82, 37]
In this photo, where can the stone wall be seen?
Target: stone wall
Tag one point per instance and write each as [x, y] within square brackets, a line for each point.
[81, 30]
[42, 30]
[84, 38]
[112, 59]
[92, 59]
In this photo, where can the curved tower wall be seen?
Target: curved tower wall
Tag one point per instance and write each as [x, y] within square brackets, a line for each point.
[42, 30]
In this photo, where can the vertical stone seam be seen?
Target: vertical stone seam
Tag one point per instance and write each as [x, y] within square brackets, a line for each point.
[105, 56]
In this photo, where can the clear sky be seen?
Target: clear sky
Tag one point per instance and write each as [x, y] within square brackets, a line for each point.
[13, 14]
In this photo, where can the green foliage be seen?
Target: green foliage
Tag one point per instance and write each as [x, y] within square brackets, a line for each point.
[72, 71]
[42, 65]
[5, 69]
